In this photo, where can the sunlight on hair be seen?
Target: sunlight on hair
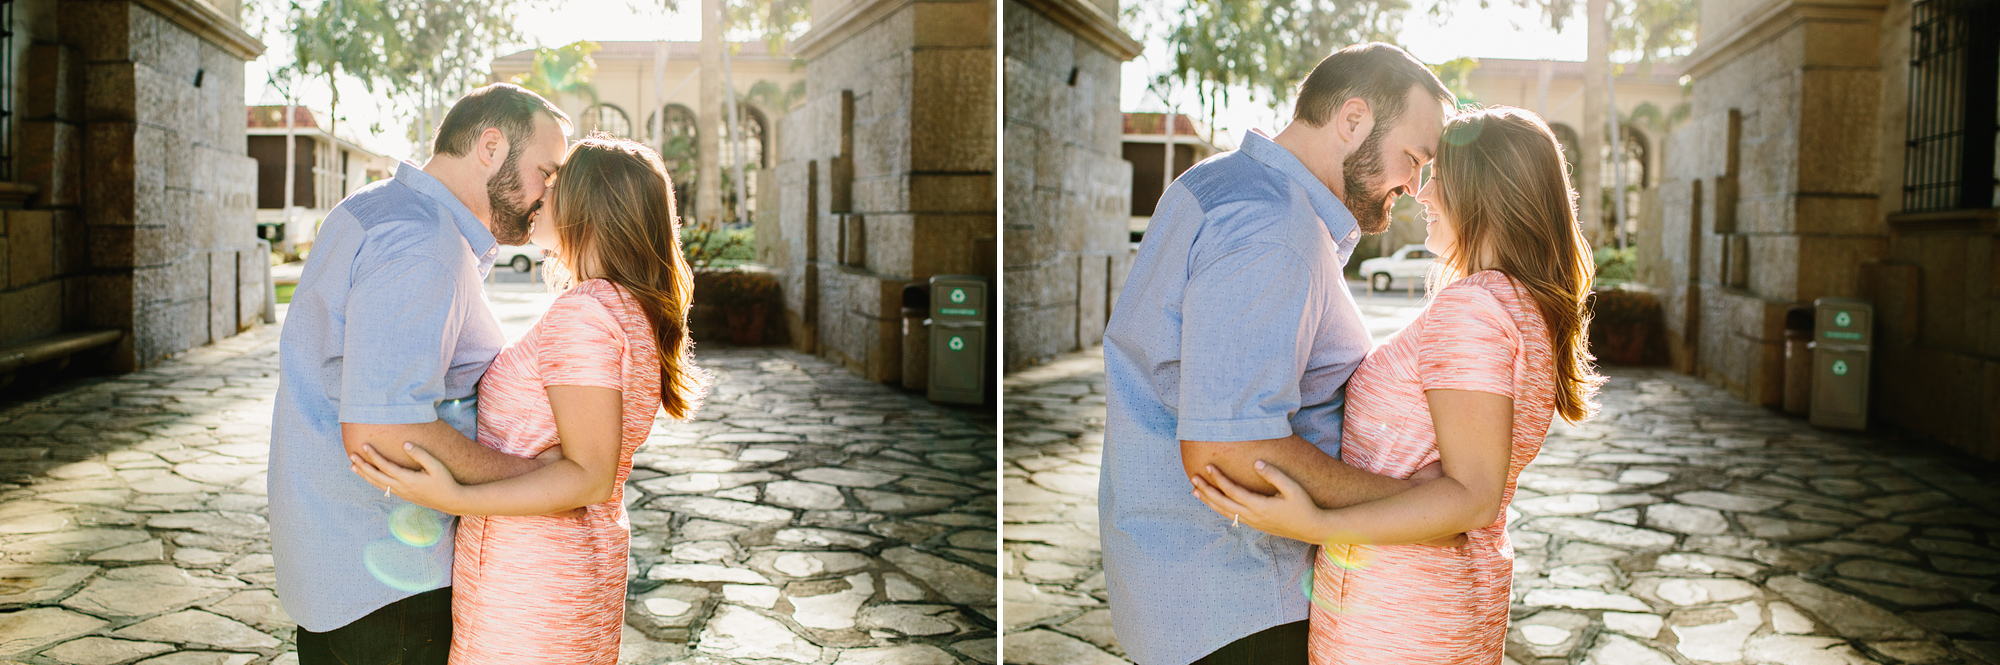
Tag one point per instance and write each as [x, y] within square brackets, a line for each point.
[1464, 133]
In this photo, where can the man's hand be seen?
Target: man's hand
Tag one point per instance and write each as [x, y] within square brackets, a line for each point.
[1425, 474]
[554, 454]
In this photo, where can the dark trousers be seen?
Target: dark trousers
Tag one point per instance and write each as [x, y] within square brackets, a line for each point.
[1277, 645]
[412, 631]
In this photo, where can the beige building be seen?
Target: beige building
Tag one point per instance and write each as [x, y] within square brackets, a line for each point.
[885, 177]
[1145, 146]
[1841, 151]
[325, 171]
[127, 197]
[643, 85]
[1068, 189]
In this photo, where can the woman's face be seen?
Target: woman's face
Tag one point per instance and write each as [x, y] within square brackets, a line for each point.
[542, 226]
[1441, 236]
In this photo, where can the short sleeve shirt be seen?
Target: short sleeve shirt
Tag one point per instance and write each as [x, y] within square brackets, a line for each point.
[1235, 324]
[389, 324]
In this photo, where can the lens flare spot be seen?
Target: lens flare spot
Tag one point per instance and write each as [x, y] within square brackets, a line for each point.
[402, 567]
[416, 526]
[1462, 133]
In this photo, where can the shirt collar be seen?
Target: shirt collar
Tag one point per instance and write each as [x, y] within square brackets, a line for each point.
[476, 235]
[1338, 219]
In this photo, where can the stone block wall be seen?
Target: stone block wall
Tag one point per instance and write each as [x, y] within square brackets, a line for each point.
[1787, 186]
[887, 171]
[132, 132]
[1067, 190]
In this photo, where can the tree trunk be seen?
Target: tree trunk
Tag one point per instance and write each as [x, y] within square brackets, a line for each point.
[1590, 155]
[708, 135]
[735, 139]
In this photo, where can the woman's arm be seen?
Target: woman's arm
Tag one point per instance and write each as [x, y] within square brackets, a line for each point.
[590, 424]
[1475, 437]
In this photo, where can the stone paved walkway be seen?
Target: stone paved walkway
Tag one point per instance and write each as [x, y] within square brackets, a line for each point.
[807, 516]
[1681, 526]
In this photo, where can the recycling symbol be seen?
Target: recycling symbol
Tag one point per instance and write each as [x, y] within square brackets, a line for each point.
[958, 344]
[958, 295]
[1842, 319]
[1839, 366]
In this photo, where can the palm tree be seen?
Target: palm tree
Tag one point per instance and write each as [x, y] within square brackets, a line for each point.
[563, 70]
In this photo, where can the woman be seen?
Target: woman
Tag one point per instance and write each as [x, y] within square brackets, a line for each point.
[1474, 382]
[539, 573]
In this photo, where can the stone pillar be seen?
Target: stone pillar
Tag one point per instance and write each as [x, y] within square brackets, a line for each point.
[708, 119]
[887, 170]
[156, 237]
[1770, 190]
[1068, 190]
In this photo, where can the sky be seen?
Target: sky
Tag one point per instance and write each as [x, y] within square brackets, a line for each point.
[1501, 31]
[600, 20]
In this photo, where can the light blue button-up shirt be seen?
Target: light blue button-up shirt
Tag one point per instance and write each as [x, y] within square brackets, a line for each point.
[389, 325]
[1235, 325]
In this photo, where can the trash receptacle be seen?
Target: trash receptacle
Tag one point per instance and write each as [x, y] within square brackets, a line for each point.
[1843, 337]
[958, 339]
[1798, 360]
[916, 336]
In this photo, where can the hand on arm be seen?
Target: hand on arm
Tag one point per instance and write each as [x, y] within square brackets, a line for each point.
[590, 423]
[464, 459]
[1475, 433]
[1316, 481]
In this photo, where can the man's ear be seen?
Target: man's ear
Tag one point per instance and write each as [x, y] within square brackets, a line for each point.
[1353, 121]
[492, 149]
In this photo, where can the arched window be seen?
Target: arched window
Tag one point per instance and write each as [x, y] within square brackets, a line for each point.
[608, 119]
[678, 150]
[1638, 156]
[751, 130]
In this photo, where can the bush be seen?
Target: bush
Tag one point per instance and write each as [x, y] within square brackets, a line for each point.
[1626, 327]
[730, 288]
[1614, 266]
[709, 247]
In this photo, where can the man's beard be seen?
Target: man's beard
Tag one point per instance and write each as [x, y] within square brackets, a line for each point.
[1361, 173]
[511, 216]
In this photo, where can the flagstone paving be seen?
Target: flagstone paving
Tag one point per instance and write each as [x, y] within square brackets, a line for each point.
[1681, 526]
[805, 516]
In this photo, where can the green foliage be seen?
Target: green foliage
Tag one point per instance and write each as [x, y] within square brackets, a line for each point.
[707, 246]
[776, 21]
[1457, 77]
[563, 69]
[1614, 266]
[732, 288]
[1267, 46]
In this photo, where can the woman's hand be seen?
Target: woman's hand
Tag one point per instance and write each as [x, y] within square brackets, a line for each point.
[430, 486]
[1290, 514]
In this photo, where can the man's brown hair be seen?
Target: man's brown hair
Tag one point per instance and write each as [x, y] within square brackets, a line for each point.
[1380, 74]
[504, 106]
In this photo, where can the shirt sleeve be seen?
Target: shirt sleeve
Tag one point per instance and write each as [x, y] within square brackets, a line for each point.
[580, 343]
[1467, 342]
[402, 327]
[1244, 343]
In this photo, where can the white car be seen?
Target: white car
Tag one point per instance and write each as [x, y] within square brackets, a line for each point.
[522, 257]
[1409, 262]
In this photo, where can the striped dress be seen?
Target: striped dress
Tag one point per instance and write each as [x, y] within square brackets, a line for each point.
[551, 588]
[1412, 603]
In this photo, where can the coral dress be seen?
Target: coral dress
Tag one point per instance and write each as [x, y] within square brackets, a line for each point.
[1412, 603]
[551, 588]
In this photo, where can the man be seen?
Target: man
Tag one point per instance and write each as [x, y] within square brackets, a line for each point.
[386, 338]
[1232, 342]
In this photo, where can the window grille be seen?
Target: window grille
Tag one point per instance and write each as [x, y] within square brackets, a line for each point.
[1954, 74]
[7, 110]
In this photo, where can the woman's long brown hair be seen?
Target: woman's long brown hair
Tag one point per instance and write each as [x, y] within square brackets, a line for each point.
[612, 201]
[1503, 183]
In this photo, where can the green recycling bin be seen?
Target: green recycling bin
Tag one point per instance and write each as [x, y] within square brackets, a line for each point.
[958, 339]
[1843, 340]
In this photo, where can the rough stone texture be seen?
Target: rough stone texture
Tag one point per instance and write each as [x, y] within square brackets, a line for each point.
[132, 517]
[152, 238]
[920, 172]
[1067, 190]
[1824, 110]
[1692, 460]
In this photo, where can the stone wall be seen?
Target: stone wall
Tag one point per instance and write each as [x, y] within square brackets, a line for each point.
[1067, 190]
[886, 176]
[132, 132]
[1786, 186]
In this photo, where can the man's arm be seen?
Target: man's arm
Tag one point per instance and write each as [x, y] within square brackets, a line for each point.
[1330, 482]
[469, 462]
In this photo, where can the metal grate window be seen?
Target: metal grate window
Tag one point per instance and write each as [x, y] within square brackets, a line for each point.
[1954, 73]
[6, 90]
